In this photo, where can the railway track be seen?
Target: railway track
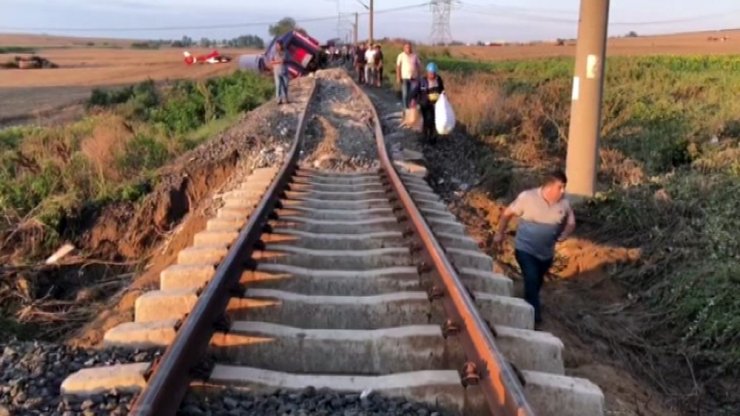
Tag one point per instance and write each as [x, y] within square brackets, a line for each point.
[360, 282]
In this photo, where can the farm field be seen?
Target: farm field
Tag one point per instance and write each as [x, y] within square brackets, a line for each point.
[678, 44]
[34, 94]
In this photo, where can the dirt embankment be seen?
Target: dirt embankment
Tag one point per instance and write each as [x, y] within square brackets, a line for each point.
[119, 241]
[167, 221]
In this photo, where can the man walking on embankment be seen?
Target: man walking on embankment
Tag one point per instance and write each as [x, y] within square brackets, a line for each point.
[545, 218]
[407, 73]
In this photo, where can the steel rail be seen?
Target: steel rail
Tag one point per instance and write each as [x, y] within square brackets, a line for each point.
[500, 385]
[170, 377]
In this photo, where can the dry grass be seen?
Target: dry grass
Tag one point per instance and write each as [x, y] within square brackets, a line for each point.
[107, 142]
[513, 123]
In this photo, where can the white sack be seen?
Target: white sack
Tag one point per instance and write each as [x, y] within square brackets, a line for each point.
[444, 117]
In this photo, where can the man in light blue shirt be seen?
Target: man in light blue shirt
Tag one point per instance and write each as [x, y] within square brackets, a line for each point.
[545, 217]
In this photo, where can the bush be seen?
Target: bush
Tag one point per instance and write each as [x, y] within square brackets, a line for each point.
[144, 45]
[184, 109]
[17, 49]
[141, 154]
[105, 98]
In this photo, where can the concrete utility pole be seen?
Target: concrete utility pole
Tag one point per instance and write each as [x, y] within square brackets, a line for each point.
[357, 25]
[371, 21]
[585, 110]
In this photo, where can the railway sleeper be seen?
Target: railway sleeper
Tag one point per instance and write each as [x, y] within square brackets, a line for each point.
[372, 225]
[335, 214]
[336, 188]
[328, 241]
[372, 352]
[368, 312]
[338, 196]
[549, 394]
[336, 204]
[335, 259]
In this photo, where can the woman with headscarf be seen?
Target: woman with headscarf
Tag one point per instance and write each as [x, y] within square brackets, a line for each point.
[426, 95]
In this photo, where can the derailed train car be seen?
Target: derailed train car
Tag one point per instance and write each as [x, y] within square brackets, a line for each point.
[304, 54]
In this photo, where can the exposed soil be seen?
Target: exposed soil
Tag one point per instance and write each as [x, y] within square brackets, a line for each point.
[188, 196]
[577, 290]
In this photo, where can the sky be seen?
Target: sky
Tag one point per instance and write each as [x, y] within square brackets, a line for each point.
[470, 20]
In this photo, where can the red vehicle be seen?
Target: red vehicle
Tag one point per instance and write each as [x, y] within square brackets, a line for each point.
[212, 58]
[304, 54]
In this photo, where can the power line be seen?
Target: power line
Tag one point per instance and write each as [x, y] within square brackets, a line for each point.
[196, 27]
[441, 11]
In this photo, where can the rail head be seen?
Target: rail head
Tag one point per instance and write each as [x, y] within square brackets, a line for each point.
[170, 377]
[498, 381]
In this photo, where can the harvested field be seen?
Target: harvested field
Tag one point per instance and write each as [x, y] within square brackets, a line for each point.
[678, 44]
[35, 95]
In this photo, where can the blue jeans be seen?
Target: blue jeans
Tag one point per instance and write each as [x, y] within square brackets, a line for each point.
[281, 86]
[406, 89]
[533, 274]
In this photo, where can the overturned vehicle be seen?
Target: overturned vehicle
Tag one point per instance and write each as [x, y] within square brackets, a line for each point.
[304, 55]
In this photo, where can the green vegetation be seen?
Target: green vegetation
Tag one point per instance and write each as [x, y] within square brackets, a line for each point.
[145, 45]
[49, 175]
[17, 49]
[670, 175]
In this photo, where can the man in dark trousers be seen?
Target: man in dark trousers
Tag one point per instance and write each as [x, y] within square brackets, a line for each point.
[280, 72]
[426, 94]
[360, 62]
[545, 217]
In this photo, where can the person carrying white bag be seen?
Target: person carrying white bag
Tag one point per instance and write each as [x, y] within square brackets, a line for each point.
[427, 94]
[444, 119]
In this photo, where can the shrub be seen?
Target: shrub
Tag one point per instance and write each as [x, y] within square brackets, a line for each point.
[104, 98]
[17, 49]
[141, 154]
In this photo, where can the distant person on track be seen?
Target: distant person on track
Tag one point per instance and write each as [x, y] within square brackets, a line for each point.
[378, 65]
[370, 64]
[545, 218]
[426, 94]
[407, 72]
[360, 63]
[280, 72]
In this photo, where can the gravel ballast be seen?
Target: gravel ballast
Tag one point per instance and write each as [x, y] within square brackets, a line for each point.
[31, 374]
[306, 402]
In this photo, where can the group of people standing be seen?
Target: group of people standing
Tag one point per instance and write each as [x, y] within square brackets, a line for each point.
[368, 62]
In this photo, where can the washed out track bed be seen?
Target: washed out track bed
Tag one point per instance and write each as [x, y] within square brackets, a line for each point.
[319, 292]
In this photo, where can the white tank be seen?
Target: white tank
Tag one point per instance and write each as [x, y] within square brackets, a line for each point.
[252, 62]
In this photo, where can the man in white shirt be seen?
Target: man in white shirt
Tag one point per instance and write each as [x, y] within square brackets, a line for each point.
[407, 72]
[369, 67]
